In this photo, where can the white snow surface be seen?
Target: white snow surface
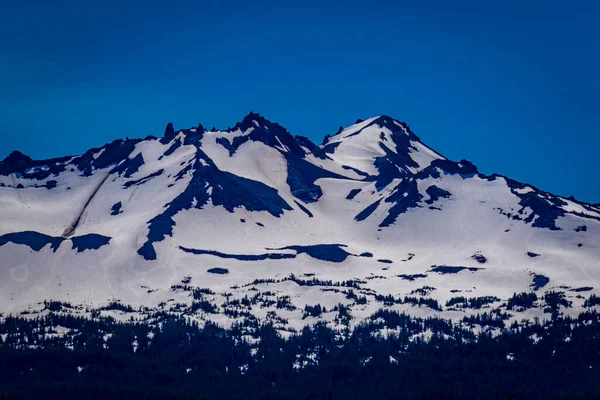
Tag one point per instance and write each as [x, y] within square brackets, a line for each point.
[447, 232]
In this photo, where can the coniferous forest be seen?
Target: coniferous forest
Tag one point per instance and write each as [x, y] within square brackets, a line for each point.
[391, 356]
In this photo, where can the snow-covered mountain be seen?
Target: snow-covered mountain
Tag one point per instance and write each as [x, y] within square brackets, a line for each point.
[254, 222]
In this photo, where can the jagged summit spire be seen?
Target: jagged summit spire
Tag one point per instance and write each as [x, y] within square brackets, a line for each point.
[253, 120]
[169, 130]
[252, 115]
[16, 156]
[169, 133]
[16, 161]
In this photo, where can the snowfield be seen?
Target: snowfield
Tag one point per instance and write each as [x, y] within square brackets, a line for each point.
[257, 223]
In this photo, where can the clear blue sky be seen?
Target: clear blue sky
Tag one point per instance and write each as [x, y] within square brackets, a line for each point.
[512, 86]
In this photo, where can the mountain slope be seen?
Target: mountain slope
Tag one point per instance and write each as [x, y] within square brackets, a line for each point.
[254, 222]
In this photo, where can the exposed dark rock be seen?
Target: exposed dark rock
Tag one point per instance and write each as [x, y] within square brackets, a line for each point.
[37, 241]
[538, 281]
[480, 258]
[412, 277]
[448, 269]
[352, 194]
[436, 193]
[217, 270]
[116, 209]
[310, 215]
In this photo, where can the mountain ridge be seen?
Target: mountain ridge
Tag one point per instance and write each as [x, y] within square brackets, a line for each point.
[20, 157]
[17, 156]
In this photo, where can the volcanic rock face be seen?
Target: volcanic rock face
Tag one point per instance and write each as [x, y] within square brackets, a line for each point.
[263, 223]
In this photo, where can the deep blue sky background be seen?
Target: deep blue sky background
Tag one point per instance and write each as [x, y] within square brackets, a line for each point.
[512, 86]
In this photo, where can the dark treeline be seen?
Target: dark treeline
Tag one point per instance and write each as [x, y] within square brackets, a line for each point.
[385, 357]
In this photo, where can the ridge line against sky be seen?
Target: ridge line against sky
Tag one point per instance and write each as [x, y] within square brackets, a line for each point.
[511, 87]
